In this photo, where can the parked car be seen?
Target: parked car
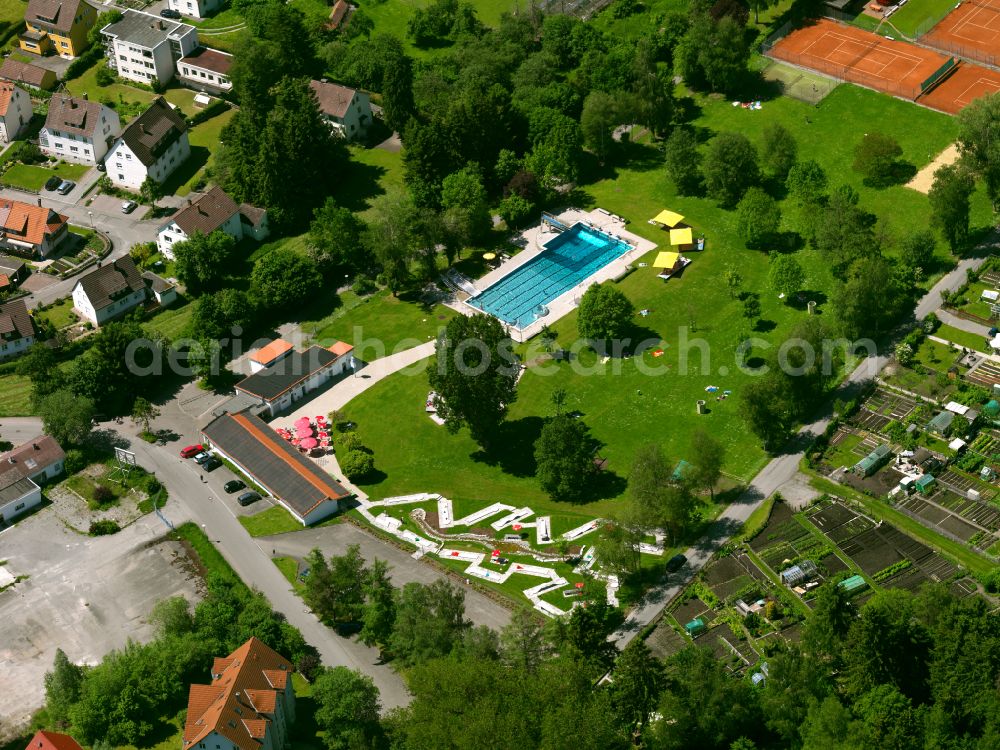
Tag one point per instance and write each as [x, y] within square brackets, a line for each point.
[191, 451]
[248, 497]
[169, 13]
[53, 182]
[101, 167]
[234, 485]
[676, 563]
[128, 207]
[202, 457]
[211, 464]
[65, 186]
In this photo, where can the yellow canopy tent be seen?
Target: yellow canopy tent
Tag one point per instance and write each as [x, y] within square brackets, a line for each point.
[680, 236]
[668, 218]
[666, 260]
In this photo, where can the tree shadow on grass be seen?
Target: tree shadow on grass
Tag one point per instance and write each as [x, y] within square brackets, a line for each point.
[514, 447]
[359, 184]
[765, 326]
[639, 157]
[899, 173]
[374, 477]
[187, 170]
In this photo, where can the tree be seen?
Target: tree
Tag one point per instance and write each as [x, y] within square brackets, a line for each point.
[707, 457]
[806, 185]
[522, 647]
[347, 708]
[564, 454]
[143, 413]
[758, 217]
[172, 617]
[335, 240]
[390, 237]
[734, 281]
[357, 464]
[66, 416]
[950, 198]
[202, 262]
[40, 365]
[284, 278]
[712, 54]
[638, 681]
[379, 613]
[515, 211]
[474, 377]
[780, 150]
[683, 160]
[228, 312]
[430, 621]
[785, 275]
[605, 313]
[825, 630]
[978, 144]
[870, 299]
[397, 90]
[751, 308]
[730, 168]
[768, 411]
[150, 191]
[62, 687]
[758, 6]
[660, 499]
[875, 158]
[916, 251]
[601, 114]
[618, 545]
[464, 191]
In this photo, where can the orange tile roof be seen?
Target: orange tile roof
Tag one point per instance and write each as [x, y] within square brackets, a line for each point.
[6, 93]
[267, 354]
[52, 741]
[242, 699]
[340, 348]
[28, 223]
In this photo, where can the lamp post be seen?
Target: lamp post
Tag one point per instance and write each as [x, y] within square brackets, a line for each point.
[90, 214]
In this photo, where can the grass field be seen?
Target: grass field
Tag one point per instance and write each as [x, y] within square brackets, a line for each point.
[116, 93]
[962, 338]
[392, 17]
[59, 314]
[920, 15]
[32, 177]
[274, 520]
[173, 322]
[15, 395]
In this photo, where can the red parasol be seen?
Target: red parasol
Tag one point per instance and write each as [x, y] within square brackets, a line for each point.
[304, 432]
[517, 527]
[579, 584]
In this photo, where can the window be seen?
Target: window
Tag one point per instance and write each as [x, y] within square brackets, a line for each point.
[122, 57]
[128, 157]
[63, 44]
[118, 164]
[19, 506]
[121, 177]
[74, 149]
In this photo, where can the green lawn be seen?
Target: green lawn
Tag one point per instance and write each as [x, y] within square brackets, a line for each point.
[274, 520]
[15, 395]
[392, 17]
[59, 314]
[12, 12]
[174, 321]
[115, 95]
[918, 16]
[32, 177]
[204, 139]
[962, 338]
[224, 19]
[370, 172]
[289, 568]
[208, 556]
[226, 42]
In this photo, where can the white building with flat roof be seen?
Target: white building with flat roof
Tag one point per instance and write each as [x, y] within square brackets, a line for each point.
[145, 48]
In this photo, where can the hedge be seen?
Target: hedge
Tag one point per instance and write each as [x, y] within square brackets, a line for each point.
[215, 108]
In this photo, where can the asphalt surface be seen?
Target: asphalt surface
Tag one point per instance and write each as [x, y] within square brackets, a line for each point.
[20, 430]
[779, 471]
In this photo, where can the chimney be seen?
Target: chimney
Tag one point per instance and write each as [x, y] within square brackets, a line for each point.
[73, 104]
[86, 96]
[39, 202]
[35, 446]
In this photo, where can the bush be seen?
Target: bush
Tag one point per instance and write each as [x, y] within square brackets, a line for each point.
[82, 64]
[349, 441]
[104, 528]
[75, 461]
[363, 285]
[357, 464]
[102, 495]
[215, 108]
[105, 76]
[515, 211]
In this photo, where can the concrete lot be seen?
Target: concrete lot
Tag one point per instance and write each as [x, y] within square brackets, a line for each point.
[85, 595]
[403, 569]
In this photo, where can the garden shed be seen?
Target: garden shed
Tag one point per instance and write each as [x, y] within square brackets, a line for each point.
[696, 627]
[925, 483]
[941, 422]
[871, 463]
[852, 584]
[800, 573]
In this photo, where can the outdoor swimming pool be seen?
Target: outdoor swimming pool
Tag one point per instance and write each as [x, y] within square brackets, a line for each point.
[568, 258]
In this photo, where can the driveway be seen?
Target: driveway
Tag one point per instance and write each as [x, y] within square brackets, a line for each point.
[84, 595]
[403, 569]
[19, 430]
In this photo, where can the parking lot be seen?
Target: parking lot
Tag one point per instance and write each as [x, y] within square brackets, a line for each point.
[85, 595]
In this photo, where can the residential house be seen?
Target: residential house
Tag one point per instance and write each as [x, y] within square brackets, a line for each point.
[31, 231]
[18, 495]
[17, 330]
[39, 459]
[52, 741]
[296, 482]
[15, 111]
[206, 70]
[78, 130]
[12, 272]
[109, 291]
[145, 48]
[269, 354]
[162, 291]
[58, 26]
[288, 379]
[347, 111]
[254, 222]
[249, 705]
[153, 145]
[338, 15]
[195, 8]
[27, 74]
[213, 211]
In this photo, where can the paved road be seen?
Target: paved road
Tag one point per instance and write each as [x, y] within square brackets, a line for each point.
[19, 430]
[962, 324]
[202, 503]
[772, 477]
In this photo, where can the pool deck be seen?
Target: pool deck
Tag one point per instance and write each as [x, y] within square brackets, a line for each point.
[535, 238]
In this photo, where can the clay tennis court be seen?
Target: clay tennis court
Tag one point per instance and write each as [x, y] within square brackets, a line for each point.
[971, 30]
[968, 82]
[852, 54]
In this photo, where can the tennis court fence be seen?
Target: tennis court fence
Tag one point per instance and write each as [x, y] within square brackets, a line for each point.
[974, 54]
[776, 36]
[847, 73]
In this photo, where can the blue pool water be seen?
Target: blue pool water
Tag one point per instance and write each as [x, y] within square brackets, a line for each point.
[567, 260]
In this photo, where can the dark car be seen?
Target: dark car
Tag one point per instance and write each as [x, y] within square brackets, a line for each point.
[247, 498]
[169, 13]
[676, 563]
[211, 464]
[233, 485]
[53, 182]
[101, 167]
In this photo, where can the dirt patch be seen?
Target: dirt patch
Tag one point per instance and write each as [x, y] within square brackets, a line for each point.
[923, 179]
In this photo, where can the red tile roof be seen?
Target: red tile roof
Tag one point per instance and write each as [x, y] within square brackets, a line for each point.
[52, 741]
[27, 222]
[337, 14]
[6, 94]
[340, 348]
[235, 704]
[267, 354]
